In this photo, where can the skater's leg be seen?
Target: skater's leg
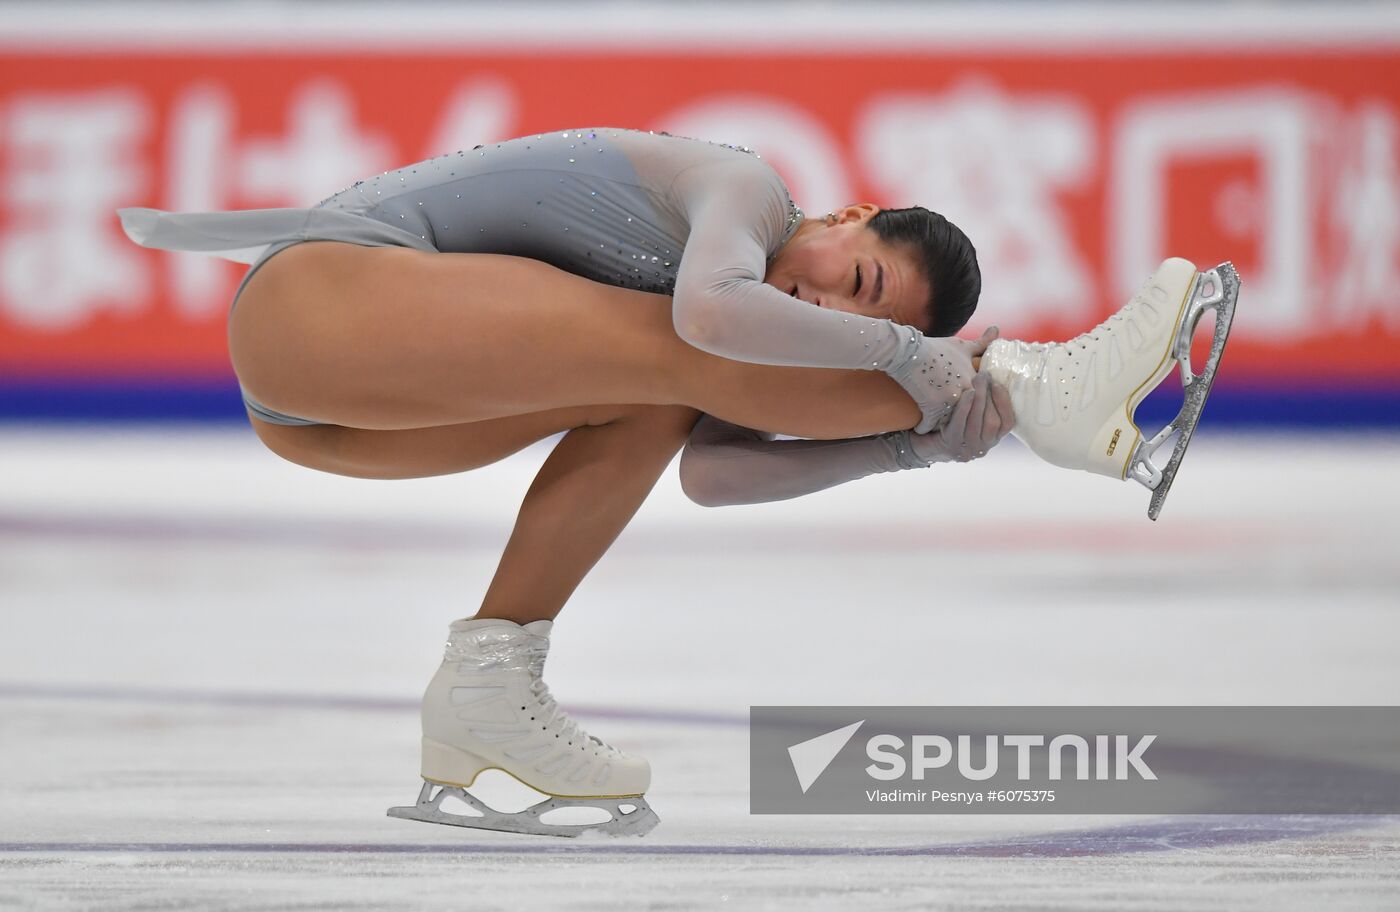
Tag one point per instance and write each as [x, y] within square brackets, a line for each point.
[585, 493]
[487, 706]
[392, 338]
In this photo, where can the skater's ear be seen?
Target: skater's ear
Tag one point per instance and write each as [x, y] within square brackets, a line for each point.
[855, 212]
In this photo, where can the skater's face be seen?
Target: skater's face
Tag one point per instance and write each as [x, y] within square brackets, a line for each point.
[838, 263]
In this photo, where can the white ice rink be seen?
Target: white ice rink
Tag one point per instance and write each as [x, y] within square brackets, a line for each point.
[210, 662]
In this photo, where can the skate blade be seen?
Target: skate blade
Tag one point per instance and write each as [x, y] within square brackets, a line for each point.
[1216, 289]
[635, 822]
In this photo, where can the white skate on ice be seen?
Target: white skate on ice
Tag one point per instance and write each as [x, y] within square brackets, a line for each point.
[1075, 401]
[489, 708]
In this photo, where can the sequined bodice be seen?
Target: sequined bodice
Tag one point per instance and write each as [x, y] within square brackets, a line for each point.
[595, 202]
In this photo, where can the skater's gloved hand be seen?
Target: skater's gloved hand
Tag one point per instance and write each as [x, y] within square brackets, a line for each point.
[937, 372]
[982, 417]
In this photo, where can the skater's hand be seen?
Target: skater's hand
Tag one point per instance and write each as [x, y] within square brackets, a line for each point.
[978, 347]
[982, 417]
[940, 375]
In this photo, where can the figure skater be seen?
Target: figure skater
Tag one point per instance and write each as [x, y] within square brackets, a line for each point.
[633, 290]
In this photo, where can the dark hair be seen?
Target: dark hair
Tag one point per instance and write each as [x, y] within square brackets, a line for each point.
[949, 262]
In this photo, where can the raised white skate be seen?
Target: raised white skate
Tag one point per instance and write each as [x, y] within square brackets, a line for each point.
[1075, 401]
[489, 708]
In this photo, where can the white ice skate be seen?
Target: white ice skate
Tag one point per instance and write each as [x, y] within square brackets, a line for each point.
[489, 708]
[1075, 401]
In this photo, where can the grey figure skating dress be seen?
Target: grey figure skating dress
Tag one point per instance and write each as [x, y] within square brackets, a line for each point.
[666, 214]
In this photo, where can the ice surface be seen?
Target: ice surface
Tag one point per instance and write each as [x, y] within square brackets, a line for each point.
[210, 661]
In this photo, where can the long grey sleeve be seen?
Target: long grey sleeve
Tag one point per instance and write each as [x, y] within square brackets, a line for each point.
[738, 213]
[738, 210]
[725, 464]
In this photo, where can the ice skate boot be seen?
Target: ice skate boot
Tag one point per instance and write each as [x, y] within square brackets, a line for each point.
[1075, 401]
[489, 708]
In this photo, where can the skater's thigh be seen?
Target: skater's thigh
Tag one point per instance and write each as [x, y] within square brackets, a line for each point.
[391, 337]
[448, 449]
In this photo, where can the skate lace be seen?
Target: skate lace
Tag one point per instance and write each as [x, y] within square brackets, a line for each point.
[1093, 334]
[554, 714]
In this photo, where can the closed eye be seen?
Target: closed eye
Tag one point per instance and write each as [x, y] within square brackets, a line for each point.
[857, 280]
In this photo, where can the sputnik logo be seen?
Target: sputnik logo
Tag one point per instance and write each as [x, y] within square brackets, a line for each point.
[811, 758]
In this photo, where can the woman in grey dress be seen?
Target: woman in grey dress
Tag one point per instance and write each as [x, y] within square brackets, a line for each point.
[614, 285]
[610, 283]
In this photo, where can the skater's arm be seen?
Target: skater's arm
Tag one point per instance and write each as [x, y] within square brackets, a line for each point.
[725, 464]
[738, 216]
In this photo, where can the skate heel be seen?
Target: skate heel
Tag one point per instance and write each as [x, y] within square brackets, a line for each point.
[1162, 306]
[1117, 442]
[1113, 447]
[448, 765]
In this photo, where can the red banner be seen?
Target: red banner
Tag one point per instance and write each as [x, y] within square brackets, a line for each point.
[1074, 173]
